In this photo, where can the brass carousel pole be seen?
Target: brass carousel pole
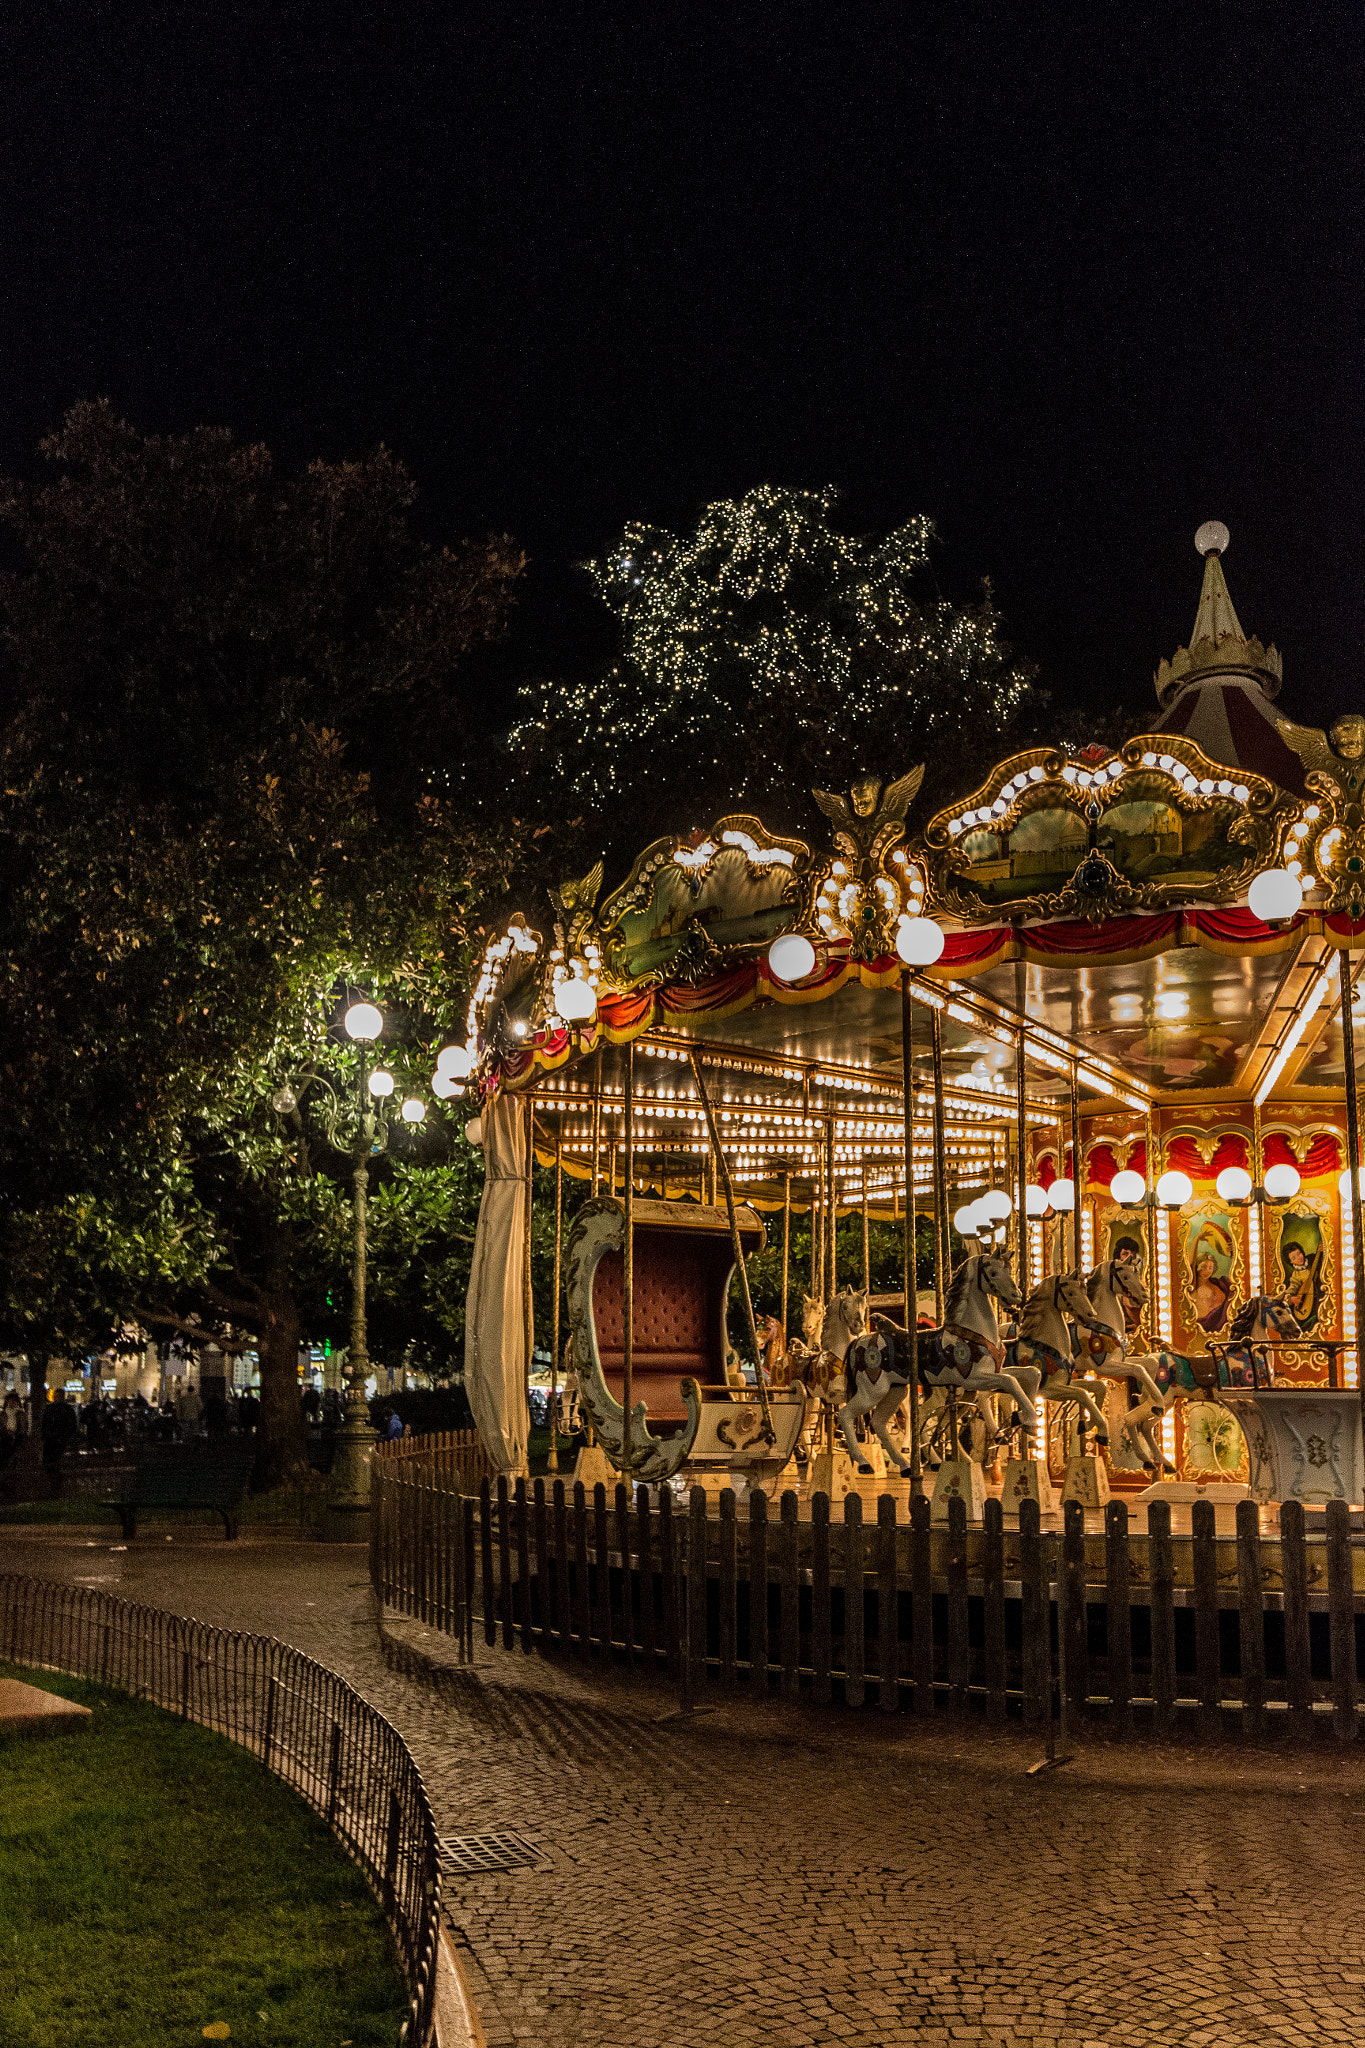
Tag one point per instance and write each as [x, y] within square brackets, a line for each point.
[786, 1246]
[552, 1462]
[528, 1304]
[628, 1271]
[908, 1240]
[1257, 1176]
[941, 1238]
[1348, 1040]
[597, 1125]
[736, 1247]
[611, 1167]
[1076, 1165]
[867, 1241]
[814, 1232]
[832, 1215]
[1022, 1141]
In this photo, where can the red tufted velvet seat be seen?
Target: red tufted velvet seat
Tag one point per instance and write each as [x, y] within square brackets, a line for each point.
[683, 1263]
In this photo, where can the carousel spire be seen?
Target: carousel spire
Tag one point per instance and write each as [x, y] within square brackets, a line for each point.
[1220, 688]
[1218, 646]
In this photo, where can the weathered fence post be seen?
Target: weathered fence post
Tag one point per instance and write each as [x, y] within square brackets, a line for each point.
[888, 1605]
[1035, 1615]
[854, 1561]
[644, 1550]
[1206, 1644]
[959, 1665]
[1298, 1669]
[1071, 1597]
[789, 1573]
[820, 1597]
[922, 1603]
[727, 1544]
[1251, 1619]
[543, 1613]
[758, 1592]
[524, 1564]
[697, 1589]
[627, 1603]
[490, 1605]
[1342, 1618]
[602, 1546]
[993, 1606]
[1161, 1575]
[670, 1574]
[582, 1624]
[1118, 1621]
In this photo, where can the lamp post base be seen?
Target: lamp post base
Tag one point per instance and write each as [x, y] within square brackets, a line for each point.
[347, 1519]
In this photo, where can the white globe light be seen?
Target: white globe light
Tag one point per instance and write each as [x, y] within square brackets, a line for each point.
[1212, 538]
[1344, 1184]
[995, 1206]
[919, 941]
[473, 1130]
[1035, 1200]
[965, 1221]
[791, 957]
[284, 1100]
[413, 1111]
[1234, 1184]
[443, 1086]
[1128, 1188]
[1173, 1190]
[575, 1000]
[1282, 1183]
[455, 1060]
[363, 1021]
[1274, 895]
[1062, 1195]
[381, 1084]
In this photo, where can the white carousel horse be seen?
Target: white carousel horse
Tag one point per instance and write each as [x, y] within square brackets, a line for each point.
[966, 1356]
[1044, 1347]
[1107, 1345]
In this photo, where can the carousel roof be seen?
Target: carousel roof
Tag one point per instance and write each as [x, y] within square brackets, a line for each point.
[1097, 928]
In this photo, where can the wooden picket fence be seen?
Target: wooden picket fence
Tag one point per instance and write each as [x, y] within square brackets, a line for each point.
[1144, 1630]
[459, 1453]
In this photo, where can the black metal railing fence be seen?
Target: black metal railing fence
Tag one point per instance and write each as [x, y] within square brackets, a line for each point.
[304, 1722]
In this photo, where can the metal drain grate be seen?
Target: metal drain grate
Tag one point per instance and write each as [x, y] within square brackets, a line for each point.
[467, 1855]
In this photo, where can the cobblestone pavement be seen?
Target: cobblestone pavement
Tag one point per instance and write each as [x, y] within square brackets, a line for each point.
[794, 1876]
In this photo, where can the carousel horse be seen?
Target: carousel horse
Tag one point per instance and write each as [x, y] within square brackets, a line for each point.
[829, 1328]
[1044, 1347]
[1107, 1344]
[965, 1356]
[1264, 1319]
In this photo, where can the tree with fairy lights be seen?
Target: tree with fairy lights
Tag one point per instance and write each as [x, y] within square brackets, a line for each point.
[765, 653]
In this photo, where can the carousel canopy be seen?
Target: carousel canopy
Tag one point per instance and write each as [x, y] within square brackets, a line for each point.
[1099, 934]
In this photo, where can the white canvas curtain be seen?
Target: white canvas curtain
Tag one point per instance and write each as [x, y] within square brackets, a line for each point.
[495, 1315]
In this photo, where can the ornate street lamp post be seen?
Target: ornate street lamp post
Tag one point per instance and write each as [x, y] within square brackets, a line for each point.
[348, 1505]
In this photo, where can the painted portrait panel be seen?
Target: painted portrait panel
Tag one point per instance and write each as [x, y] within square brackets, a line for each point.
[1123, 1236]
[1300, 1268]
[1210, 1269]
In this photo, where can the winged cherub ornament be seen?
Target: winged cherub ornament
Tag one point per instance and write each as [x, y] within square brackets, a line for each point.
[1334, 772]
[868, 823]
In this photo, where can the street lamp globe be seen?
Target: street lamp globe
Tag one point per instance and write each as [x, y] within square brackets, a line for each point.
[444, 1085]
[381, 1083]
[995, 1206]
[1274, 895]
[1035, 1201]
[1173, 1190]
[413, 1110]
[575, 1000]
[1062, 1195]
[965, 1221]
[364, 1022]
[1234, 1184]
[1127, 1188]
[455, 1060]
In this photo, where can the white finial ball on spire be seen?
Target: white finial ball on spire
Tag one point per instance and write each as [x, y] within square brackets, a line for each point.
[1212, 538]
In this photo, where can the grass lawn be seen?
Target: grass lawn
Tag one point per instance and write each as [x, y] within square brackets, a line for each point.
[304, 1506]
[155, 1880]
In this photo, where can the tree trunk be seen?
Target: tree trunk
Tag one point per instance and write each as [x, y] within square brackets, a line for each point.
[282, 1455]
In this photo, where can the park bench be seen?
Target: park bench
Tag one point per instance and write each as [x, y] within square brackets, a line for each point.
[188, 1483]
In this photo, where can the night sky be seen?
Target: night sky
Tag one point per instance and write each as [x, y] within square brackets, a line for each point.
[1067, 279]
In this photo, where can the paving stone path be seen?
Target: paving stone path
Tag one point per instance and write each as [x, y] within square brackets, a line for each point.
[794, 1876]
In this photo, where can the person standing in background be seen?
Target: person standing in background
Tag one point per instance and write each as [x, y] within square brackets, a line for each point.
[58, 1430]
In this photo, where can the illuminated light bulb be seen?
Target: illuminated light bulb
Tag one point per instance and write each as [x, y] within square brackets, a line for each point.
[1128, 1188]
[791, 957]
[1035, 1200]
[996, 1205]
[920, 942]
[1173, 1190]
[473, 1130]
[576, 1000]
[457, 1061]
[363, 1021]
[381, 1083]
[1344, 1184]
[1275, 895]
[413, 1110]
[443, 1086]
[1234, 1184]
[1282, 1183]
[1062, 1195]
[965, 1221]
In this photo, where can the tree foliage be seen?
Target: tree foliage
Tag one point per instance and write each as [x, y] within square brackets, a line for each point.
[210, 830]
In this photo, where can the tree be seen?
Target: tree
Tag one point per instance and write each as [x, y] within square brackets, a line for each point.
[195, 866]
[763, 654]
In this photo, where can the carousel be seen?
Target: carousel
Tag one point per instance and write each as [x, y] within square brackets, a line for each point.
[1089, 1028]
